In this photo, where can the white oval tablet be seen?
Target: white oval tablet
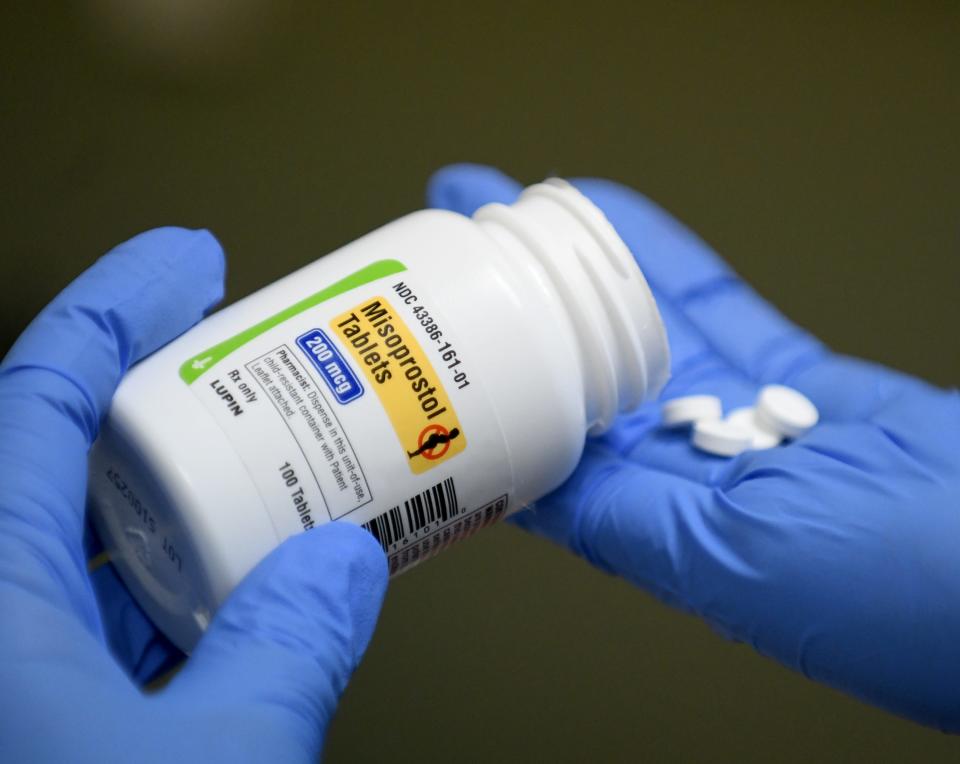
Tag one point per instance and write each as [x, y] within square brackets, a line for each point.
[678, 412]
[785, 411]
[716, 436]
[746, 417]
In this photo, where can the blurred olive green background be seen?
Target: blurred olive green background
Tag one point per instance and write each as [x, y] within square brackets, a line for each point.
[817, 145]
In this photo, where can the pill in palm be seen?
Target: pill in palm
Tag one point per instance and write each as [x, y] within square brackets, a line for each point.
[679, 412]
[746, 417]
[785, 411]
[721, 438]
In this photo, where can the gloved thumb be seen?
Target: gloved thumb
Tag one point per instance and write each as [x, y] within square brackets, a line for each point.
[280, 651]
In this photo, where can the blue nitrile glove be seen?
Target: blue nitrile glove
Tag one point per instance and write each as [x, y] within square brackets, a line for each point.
[265, 679]
[838, 554]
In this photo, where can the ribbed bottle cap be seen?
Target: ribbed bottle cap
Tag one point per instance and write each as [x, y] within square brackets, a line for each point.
[636, 319]
[622, 343]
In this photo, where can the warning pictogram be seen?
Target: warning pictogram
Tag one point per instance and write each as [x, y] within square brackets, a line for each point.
[433, 442]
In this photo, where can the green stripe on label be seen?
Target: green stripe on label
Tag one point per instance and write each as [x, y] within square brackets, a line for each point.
[194, 367]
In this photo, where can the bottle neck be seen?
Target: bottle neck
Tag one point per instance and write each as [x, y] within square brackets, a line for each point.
[619, 335]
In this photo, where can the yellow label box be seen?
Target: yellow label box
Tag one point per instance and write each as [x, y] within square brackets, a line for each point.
[396, 366]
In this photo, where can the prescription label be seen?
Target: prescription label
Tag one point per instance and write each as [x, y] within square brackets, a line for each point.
[358, 402]
[409, 388]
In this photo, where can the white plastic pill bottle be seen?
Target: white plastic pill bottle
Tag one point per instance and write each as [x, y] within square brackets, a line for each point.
[424, 381]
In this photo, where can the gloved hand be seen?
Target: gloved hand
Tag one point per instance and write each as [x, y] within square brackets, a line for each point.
[265, 679]
[838, 554]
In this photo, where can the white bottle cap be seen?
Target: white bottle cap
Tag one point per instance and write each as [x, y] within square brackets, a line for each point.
[786, 411]
[746, 417]
[620, 337]
[679, 412]
[715, 436]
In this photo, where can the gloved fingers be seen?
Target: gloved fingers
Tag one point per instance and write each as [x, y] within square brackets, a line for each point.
[134, 299]
[653, 528]
[57, 381]
[849, 389]
[136, 644]
[925, 425]
[920, 420]
[466, 187]
[287, 640]
[738, 324]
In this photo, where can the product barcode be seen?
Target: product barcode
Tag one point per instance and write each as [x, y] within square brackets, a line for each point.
[429, 509]
[386, 528]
